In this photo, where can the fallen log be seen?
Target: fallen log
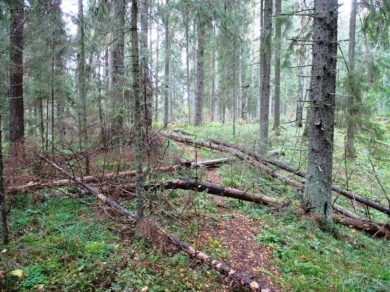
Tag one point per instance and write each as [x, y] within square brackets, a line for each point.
[264, 164]
[222, 267]
[372, 228]
[210, 188]
[112, 175]
[346, 217]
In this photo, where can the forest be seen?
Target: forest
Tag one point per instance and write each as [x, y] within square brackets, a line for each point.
[194, 145]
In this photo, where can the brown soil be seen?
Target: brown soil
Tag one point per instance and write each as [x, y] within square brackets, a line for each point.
[237, 233]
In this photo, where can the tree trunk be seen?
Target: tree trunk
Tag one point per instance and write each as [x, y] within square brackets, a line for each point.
[81, 86]
[199, 93]
[137, 110]
[3, 211]
[213, 72]
[265, 71]
[16, 105]
[167, 65]
[301, 78]
[318, 187]
[146, 80]
[156, 80]
[118, 70]
[188, 83]
[278, 34]
[351, 99]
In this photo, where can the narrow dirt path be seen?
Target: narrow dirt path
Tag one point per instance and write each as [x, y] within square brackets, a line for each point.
[237, 234]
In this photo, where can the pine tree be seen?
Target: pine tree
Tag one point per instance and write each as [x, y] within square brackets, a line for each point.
[16, 100]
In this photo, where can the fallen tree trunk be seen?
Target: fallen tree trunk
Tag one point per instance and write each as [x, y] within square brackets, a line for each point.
[372, 228]
[112, 175]
[222, 267]
[210, 188]
[346, 217]
[255, 157]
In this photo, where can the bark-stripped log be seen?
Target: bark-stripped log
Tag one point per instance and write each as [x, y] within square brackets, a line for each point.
[253, 157]
[113, 175]
[222, 267]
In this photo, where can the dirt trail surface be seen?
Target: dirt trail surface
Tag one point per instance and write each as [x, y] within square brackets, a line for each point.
[237, 234]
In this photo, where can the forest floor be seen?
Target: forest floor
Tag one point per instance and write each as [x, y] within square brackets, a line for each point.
[62, 240]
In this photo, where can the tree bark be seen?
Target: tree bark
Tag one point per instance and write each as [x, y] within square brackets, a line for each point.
[146, 79]
[265, 71]
[214, 71]
[351, 99]
[318, 187]
[188, 83]
[16, 101]
[157, 77]
[278, 34]
[199, 93]
[167, 65]
[3, 211]
[81, 86]
[117, 71]
[137, 110]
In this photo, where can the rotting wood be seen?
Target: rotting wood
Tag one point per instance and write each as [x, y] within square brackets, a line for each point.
[263, 163]
[113, 175]
[222, 267]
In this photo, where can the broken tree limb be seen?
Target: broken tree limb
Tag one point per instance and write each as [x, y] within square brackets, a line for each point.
[263, 163]
[94, 191]
[112, 175]
[243, 279]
